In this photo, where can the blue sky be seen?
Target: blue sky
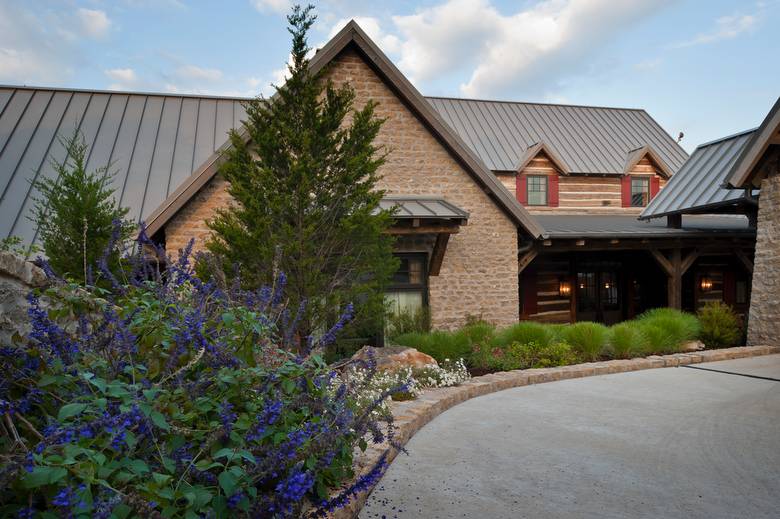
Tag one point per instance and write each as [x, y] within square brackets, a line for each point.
[704, 67]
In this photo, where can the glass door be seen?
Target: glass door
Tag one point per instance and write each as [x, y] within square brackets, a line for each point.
[598, 296]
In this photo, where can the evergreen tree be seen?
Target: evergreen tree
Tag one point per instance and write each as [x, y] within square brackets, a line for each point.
[75, 213]
[306, 203]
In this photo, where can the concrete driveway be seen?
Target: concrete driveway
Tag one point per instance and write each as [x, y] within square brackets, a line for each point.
[662, 443]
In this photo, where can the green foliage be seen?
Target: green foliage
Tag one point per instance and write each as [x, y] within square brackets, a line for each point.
[524, 332]
[440, 345]
[720, 325]
[524, 356]
[627, 340]
[306, 197]
[16, 245]
[666, 329]
[588, 339]
[75, 210]
[407, 321]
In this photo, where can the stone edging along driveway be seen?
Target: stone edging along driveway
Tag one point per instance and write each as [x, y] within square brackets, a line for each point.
[410, 416]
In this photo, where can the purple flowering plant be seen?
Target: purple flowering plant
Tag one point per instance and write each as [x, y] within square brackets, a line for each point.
[167, 395]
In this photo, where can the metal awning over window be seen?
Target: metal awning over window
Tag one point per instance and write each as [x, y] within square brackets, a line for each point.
[418, 215]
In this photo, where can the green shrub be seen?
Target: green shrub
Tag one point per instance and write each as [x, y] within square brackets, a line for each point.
[523, 356]
[626, 341]
[440, 345]
[409, 322]
[667, 329]
[524, 332]
[588, 339]
[479, 333]
[720, 326]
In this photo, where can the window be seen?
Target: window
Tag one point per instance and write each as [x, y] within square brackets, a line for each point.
[537, 190]
[640, 191]
[741, 292]
[408, 291]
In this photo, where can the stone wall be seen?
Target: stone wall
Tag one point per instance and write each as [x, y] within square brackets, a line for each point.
[17, 278]
[764, 316]
[479, 272]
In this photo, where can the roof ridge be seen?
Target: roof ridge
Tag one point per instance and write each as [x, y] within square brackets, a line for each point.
[124, 92]
[726, 138]
[506, 101]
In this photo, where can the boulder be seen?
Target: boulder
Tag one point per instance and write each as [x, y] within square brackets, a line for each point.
[392, 358]
[692, 346]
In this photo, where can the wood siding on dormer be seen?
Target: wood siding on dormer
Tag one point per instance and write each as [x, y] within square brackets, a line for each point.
[578, 193]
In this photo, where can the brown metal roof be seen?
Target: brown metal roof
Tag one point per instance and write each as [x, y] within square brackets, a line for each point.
[700, 184]
[588, 139]
[744, 171]
[152, 141]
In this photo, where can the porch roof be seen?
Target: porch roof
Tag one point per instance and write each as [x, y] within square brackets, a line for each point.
[423, 207]
[604, 226]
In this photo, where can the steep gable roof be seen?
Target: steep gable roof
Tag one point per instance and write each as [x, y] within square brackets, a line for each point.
[638, 154]
[540, 147]
[699, 185]
[353, 35]
[590, 139]
[745, 170]
[153, 141]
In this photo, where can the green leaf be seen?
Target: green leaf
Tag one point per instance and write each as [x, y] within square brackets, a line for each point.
[228, 318]
[161, 479]
[288, 386]
[150, 394]
[70, 410]
[228, 481]
[159, 420]
[41, 476]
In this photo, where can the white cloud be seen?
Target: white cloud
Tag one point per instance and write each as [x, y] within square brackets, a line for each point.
[31, 49]
[94, 23]
[276, 6]
[726, 28]
[389, 43]
[123, 78]
[525, 50]
[195, 73]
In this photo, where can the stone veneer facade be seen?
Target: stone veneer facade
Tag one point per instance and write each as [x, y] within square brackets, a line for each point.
[479, 273]
[764, 320]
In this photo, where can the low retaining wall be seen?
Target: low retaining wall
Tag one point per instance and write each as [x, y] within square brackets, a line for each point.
[17, 278]
[411, 416]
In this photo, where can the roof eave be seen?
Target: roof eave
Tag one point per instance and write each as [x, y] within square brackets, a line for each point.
[743, 169]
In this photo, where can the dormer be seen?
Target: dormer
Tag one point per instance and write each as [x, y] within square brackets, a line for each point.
[538, 171]
[641, 181]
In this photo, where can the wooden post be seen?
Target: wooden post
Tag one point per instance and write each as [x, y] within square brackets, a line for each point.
[675, 280]
[437, 257]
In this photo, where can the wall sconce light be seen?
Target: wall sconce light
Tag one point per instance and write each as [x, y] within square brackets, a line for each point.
[607, 285]
[706, 284]
[564, 288]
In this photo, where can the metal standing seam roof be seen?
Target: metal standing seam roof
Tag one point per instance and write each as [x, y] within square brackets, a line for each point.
[152, 141]
[699, 184]
[423, 207]
[620, 226]
[588, 139]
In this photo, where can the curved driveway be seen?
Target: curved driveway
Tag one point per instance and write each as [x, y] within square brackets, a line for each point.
[661, 443]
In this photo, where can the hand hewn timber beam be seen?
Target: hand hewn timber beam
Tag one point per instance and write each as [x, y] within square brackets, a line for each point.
[743, 258]
[689, 260]
[437, 256]
[675, 280]
[424, 229]
[526, 260]
[662, 261]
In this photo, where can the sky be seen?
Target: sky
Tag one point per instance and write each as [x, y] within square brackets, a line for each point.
[706, 68]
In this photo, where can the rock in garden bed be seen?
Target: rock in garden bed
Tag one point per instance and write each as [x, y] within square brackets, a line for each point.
[393, 358]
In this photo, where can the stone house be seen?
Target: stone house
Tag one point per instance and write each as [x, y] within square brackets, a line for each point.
[506, 210]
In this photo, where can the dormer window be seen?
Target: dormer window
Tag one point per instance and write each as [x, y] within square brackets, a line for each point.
[640, 191]
[537, 189]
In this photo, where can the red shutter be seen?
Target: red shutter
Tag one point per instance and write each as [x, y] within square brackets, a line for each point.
[552, 186]
[729, 288]
[522, 189]
[655, 186]
[529, 292]
[625, 190]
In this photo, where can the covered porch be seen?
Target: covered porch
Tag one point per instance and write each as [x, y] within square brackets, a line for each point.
[612, 268]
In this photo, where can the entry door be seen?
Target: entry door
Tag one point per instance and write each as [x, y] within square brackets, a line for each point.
[598, 296]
